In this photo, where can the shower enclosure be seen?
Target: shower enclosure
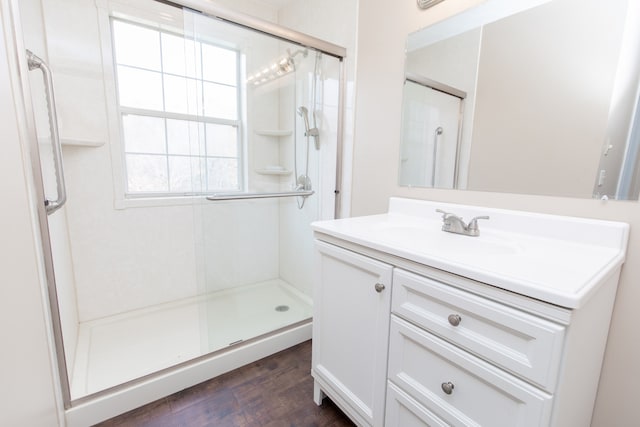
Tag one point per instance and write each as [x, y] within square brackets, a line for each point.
[194, 147]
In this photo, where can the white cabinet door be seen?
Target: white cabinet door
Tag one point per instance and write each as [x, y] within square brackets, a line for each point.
[352, 299]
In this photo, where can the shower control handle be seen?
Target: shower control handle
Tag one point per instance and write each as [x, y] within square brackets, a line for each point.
[379, 287]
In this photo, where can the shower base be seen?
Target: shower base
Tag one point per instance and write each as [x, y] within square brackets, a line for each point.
[125, 347]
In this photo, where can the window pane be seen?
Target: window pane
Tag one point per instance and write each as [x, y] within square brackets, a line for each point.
[220, 101]
[143, 134]
[185, 137]
[180, 56]
[219, 65]
[136, 46]
[146, 173]
[222, 174]
[166, 74]
[180, 95]
[185, 174]
[139, 88]
[222, 140]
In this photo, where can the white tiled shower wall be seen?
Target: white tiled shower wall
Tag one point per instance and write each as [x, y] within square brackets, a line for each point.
[125, 259]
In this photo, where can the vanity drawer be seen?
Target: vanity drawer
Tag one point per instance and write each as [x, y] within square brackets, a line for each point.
[526, 345]
[459, 388]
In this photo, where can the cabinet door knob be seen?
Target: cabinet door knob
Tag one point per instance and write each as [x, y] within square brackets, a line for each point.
[454, 319]
[379, 287]
[447, 387]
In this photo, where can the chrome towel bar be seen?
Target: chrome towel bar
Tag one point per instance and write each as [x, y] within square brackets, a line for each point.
[240, 196]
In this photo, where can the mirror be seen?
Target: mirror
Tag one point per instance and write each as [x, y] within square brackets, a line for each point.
[539, 102]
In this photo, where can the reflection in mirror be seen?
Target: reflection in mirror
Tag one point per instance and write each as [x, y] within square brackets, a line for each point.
[551, 94]
[431, 123]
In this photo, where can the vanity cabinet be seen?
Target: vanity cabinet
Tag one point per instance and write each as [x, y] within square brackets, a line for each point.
[352, 301]
[416, 327]
[397, 343]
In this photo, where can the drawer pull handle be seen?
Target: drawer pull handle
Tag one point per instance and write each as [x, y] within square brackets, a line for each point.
[379, 287]
[447, 387]
[454, 319]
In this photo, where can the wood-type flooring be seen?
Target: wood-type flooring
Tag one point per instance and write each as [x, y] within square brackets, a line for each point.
[276, 391]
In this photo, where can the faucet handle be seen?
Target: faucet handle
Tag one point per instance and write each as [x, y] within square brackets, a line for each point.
[473, 224]
[444, 214]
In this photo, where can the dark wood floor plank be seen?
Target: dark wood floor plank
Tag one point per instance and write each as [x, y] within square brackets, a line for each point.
[273, 392]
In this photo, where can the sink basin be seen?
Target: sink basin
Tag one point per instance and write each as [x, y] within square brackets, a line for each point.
[433, 240]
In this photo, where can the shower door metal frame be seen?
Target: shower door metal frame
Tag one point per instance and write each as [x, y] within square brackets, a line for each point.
[239, 19]
[23, 96]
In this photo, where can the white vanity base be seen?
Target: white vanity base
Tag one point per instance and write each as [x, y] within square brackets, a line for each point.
[401, 337]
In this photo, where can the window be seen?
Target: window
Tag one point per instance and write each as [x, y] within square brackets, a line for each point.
[178, 101]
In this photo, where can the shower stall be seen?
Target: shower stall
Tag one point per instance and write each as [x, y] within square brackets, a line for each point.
[193, 146]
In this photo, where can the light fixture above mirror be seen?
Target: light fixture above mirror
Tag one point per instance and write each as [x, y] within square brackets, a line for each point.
[426, 4]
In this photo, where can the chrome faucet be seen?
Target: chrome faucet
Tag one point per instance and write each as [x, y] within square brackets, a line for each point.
[452, 223]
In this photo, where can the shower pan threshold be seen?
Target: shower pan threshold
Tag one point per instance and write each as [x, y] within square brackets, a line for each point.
[117, 349]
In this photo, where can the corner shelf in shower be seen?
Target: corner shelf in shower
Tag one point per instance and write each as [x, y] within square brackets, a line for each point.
[72, 142]
[270, 171]
[273, 132]
[81, 142]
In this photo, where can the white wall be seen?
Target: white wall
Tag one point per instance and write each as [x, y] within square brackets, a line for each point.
[377, 127]
[28, 395]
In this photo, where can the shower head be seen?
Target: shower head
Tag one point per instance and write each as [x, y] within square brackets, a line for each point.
[304, 113]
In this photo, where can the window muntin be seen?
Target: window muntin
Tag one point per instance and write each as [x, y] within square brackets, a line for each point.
[179, 103]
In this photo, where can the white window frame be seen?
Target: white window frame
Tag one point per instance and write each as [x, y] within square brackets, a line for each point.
[154, 15]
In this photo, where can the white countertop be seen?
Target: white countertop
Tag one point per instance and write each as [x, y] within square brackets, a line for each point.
[557, 259]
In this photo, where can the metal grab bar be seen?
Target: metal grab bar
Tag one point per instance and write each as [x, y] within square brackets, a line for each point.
[34, 62]
[241, 196]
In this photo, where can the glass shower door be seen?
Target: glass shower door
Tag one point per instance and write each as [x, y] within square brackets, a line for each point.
[163, 109]
[255, 246]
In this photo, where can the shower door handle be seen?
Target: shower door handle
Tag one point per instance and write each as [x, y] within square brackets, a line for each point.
[51, 205]
[242, 196]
